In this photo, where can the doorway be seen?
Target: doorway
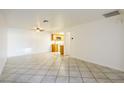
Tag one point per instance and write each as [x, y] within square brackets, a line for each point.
[57, 45]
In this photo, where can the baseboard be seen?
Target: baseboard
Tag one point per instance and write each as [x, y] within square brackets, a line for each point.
[90, 61]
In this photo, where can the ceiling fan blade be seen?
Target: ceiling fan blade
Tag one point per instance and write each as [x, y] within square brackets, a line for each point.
[38, 27]
[33, 29]
[42, 30]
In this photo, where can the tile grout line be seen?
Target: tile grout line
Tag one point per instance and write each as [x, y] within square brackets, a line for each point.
[58, 72]
[68, 69]
[80, 73]
[45, 73]
[107, 77]
[29, 64]
[104, 74]
[92, 73]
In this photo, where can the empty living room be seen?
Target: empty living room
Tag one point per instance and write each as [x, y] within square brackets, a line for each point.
[62, 46]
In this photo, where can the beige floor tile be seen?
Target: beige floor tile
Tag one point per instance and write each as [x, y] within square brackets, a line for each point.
[75, 74]
[62, 80]
[51, 68]
[118, 81]
[104, 81]
[49, 79]
[89, 80]
[75, 80]
[99, 75]
[35, 79]
[23, 79]
[112, 76]
[87, 74]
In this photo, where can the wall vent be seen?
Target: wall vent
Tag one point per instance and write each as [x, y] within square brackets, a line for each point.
[110, 14]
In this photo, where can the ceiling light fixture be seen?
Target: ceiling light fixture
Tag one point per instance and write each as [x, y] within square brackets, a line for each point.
[45, 21]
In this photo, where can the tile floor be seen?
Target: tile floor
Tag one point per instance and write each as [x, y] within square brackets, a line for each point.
[52, 68]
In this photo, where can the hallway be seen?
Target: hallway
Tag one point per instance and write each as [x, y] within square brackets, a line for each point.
[51, 68]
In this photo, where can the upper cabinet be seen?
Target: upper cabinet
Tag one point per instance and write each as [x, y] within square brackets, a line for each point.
[57, 37]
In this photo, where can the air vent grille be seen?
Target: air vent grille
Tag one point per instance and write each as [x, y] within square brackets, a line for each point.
[114, 13]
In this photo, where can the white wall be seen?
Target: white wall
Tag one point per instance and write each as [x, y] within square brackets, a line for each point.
[100, 42]
[3, 40]
[22, 42]
[67, 43]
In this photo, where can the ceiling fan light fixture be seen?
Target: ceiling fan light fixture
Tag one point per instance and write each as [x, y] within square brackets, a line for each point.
[37, 30]
[45, 21]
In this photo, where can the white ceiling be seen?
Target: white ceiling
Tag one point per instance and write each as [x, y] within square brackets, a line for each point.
[58, 19]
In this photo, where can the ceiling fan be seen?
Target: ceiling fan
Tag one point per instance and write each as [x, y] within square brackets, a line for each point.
[39, 28]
